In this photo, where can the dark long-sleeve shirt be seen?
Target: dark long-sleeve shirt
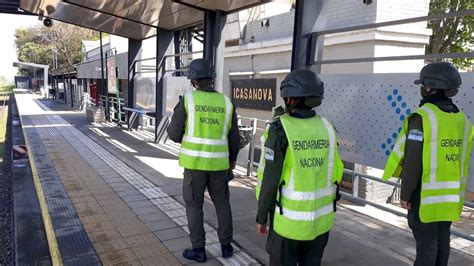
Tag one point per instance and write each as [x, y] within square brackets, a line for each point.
[412, 166]
[178, 123]
[277, 142]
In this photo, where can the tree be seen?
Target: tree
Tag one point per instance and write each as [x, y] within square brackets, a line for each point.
[5, 84]
[36, 44]
[452, 35]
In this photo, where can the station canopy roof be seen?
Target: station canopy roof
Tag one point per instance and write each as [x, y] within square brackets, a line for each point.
[29, 66]
[135, 19]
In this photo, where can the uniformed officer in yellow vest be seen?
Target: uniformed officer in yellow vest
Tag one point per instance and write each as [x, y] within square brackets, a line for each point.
[431, 156]
[205, 123]
[301, 169]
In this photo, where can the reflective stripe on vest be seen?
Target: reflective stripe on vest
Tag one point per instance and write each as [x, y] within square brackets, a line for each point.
[206, 147]
[308, 216]
[205, 141]
[290, 193]
[307, 200]
[204, 154]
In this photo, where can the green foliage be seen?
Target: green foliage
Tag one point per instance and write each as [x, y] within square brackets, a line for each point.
[36, 44]
[6, 85]
[452, 35]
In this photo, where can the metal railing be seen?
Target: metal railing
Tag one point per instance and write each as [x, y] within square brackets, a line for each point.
[116, 112]
[313, 60]
[354, 197]
[189, 58]
[254, 125]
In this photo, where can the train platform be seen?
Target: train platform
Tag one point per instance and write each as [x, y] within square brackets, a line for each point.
[113, 197]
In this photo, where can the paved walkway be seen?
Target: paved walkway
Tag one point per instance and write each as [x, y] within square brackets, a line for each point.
[114, 198]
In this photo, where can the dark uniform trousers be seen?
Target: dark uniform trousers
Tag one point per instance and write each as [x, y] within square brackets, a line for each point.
[194, 187]
[284, 251]
[432, 239]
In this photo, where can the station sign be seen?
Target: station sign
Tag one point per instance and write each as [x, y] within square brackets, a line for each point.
[111, 75]
[259, 94]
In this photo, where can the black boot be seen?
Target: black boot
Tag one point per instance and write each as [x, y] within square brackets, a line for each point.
[196, 254]
[227, 251]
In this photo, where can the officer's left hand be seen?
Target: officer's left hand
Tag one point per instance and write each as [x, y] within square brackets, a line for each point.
[262, 229]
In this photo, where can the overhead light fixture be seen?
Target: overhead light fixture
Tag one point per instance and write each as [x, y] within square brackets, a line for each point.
[242, 73]
[275, 71]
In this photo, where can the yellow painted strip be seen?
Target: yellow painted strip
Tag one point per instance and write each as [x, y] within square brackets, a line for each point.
[48, 225]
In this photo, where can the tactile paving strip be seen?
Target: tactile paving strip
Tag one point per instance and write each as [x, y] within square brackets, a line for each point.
[73, 241]
[96, 155]
[31, 243]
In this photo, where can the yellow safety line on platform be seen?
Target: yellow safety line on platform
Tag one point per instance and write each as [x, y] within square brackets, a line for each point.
[48, 225]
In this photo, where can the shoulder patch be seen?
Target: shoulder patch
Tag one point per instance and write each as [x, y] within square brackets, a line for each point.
[269, 154]
[415, 135]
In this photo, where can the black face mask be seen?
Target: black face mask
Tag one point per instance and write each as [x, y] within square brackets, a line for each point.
[423, 92]
[290, 107]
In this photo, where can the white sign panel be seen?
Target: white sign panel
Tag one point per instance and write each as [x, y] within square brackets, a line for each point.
[174, 88]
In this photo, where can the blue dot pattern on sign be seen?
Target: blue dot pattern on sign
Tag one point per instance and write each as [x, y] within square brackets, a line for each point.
[400, 108]
[392, 147]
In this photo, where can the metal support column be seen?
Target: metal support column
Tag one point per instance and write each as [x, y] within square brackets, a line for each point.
[164, 45]
[102, 79]
[134, 53]
[64, 89]
[214, 43]
[46, 82]
[53, 87]
[307, 18]
[72, 91]
[106, 89]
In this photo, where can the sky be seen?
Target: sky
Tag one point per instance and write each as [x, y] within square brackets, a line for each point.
[7, 42]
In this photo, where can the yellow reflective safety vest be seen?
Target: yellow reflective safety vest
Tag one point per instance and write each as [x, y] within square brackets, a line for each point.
[447, 144]
[311, 167]
[205, 142]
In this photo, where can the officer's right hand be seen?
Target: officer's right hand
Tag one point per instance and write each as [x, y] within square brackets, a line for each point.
[262, 229]
[405, 204]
